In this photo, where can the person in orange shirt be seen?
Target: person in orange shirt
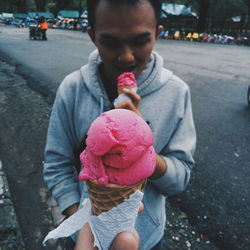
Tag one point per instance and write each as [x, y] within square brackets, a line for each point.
[43, 27]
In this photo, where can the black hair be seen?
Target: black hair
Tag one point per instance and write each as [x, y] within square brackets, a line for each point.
[41, 19]
[92, 5]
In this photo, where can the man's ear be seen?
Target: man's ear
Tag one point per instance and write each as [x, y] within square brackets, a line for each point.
[159, 29]
[91, 34]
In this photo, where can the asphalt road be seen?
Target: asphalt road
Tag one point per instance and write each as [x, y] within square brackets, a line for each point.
[217, 201]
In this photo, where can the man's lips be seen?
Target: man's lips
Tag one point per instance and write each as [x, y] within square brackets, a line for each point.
[126, 69]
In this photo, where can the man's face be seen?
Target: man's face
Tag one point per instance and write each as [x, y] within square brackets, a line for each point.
[125, 37]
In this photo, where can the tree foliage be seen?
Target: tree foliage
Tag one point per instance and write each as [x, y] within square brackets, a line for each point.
[41, 5]
[217, 10]
[247, 3]
[224, 10]
[13, 6]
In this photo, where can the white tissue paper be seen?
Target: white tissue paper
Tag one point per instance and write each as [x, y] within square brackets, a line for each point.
[104, 226]
[72, 224]
[122, 97]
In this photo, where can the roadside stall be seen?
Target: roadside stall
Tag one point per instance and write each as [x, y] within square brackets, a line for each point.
[19, 20]
[32, 15]
[84, 21]
[68, 19]
[68, 14]
[178, 17]
[7, 18]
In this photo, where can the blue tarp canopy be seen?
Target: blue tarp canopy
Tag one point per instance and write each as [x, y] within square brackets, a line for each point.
[177, 10]
[68, 14]
[20, 15]
[32, 15]
[47, 15]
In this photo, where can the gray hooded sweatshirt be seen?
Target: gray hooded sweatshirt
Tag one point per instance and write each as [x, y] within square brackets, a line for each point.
[165, 104]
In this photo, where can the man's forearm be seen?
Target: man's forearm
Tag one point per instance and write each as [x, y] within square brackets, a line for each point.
[161, 168]
[71, 210]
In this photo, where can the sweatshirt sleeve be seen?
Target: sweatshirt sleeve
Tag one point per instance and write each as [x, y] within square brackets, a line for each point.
[178, 154]
[59, 167]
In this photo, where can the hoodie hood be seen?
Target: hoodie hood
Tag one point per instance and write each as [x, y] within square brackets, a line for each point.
[151, 78]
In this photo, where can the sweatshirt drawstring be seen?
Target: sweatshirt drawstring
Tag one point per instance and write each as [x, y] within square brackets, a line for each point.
[101, 105]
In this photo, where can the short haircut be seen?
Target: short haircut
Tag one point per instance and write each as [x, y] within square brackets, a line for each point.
[92, 5]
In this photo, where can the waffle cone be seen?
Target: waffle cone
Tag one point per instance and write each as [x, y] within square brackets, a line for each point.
[120, 89]
[103, 198]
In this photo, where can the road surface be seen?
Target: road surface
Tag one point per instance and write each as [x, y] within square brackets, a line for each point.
[217, 201]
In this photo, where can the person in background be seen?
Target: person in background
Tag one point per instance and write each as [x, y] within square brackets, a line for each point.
[43, 27]
[124, 33]
[75, 24]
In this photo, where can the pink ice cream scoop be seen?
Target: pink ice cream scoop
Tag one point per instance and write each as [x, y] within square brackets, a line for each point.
[119, 149]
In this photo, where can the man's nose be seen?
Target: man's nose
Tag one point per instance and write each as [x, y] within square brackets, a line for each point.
[126, 56]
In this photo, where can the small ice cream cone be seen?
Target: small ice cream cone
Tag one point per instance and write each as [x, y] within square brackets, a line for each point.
[125, 80]
[120, 89]
[104, 198]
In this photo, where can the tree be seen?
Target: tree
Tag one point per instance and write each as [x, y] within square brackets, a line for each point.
[70, 5]
[247, 3]
[218, 10]
[18, 6]
[41, 5]
[222, 12]
[202, 15]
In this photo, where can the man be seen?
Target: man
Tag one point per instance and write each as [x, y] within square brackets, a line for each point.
[124, 33]
[43, 27]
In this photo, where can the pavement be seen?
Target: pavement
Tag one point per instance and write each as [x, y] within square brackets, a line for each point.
[10, 234]
[24, 118]
[34, 209]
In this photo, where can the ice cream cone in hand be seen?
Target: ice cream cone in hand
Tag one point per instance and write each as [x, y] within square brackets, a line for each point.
[118, 159]
[104, 198]
[126, 80]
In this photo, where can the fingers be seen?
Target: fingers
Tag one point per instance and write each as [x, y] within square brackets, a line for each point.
[128, 105]
[132, 104]
[85, 239]
[126, 241]
[141, 208]
[136, 99]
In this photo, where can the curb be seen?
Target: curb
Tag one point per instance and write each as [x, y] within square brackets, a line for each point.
[10, 234]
